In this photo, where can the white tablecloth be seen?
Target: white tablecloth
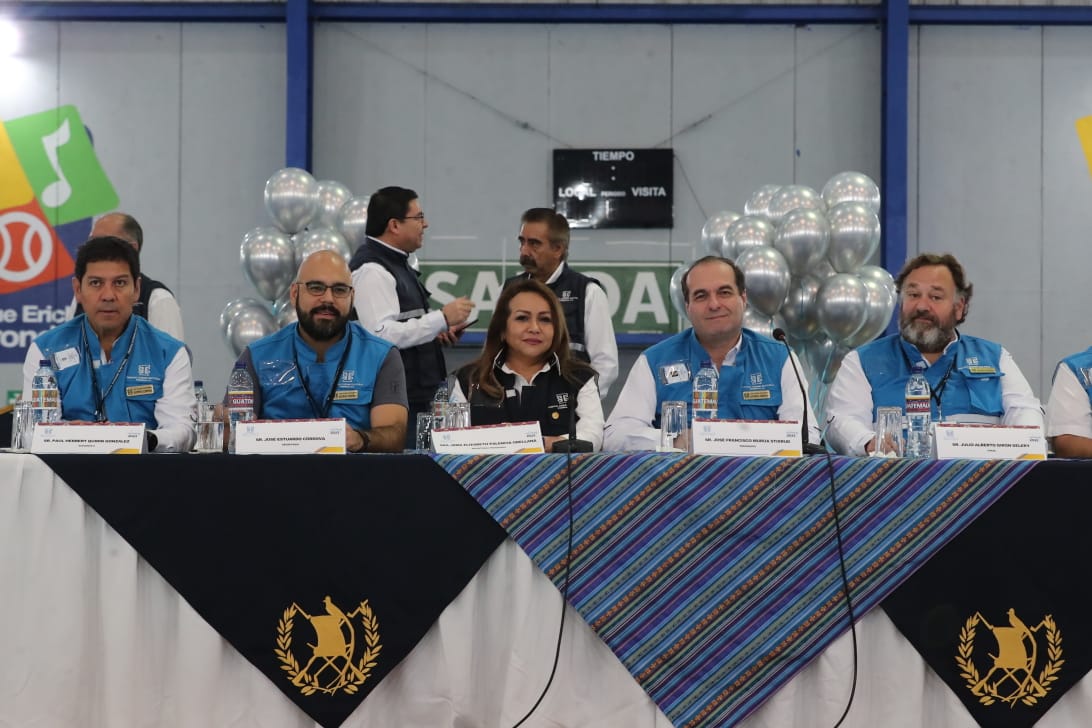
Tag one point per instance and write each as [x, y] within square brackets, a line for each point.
[90, 636]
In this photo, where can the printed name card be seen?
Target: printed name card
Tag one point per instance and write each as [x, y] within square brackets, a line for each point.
[990, 442]
[779, 438]
[291, 437]
[89, 438]
[516, 438]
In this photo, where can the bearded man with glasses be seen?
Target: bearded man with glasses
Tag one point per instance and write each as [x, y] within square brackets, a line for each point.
[394, 303]
[326, 366]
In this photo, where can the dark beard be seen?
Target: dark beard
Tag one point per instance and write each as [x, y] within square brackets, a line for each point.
[322, 330]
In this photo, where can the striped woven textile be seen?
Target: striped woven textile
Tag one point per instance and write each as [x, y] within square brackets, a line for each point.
[715, 580]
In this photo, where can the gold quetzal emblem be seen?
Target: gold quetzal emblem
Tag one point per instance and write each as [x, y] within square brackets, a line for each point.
[339, 660]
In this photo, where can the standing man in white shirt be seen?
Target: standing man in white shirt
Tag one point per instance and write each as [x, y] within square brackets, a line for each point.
[543, 251]
[970, 379]
[392, 303]
[157, 303]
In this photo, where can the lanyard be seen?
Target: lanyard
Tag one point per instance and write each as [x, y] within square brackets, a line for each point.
[100, 396]
[322, 413]
[935, 392]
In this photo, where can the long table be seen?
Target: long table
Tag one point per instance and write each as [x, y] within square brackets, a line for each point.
[92, 635]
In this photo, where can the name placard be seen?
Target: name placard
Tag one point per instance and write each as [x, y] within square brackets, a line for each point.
[990, 442]
[291, 437]
[514, 438]
[89, 438]
[778, 438]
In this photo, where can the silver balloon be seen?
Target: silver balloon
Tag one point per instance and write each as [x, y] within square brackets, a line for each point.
[803, 237]
[842, 303]
[352, 219]
[878, 274]
[284, 313]
[232, 308]
[674, 289]
[799, 310]
[291, 199]
[712, 232]
[825, 358]
[851, 187]
[880, 306]
[247, 326]
[767, 277]
[759, 202]
[790, 197]
[268, 261]
[312, 241]
[854, 235]
[749, 231]
[758, 322]
[822, 270]
[331, 196]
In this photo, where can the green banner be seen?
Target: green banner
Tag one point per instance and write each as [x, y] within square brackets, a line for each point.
[637, 292]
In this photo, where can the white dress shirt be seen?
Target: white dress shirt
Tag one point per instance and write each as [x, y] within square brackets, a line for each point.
[175, 411]
[589, 407]
[1068, 411]
[599, 341]
[376, 303]
[849, 404]
[630, 424]
[165, 314]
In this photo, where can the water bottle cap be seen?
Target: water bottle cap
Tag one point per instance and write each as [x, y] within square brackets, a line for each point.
[198, 383]
[920, 366]
[43, 362]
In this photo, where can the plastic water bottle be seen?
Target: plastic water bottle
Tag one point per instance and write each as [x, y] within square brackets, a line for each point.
[199, 392]
[45, 395]
[704, 402]
[440, 400]
[240, 398]
[919, 433]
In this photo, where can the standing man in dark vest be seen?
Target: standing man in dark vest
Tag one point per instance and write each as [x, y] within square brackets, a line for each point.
[392, 303]
[543, 250]
[157, 303]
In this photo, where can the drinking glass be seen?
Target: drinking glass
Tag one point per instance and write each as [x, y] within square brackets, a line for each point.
[22, 429]
[424, 432]
[210, 429]
[889, 439]
[672, 426]
[457, 415]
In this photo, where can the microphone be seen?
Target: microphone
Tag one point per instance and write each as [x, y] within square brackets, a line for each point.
[808, 449]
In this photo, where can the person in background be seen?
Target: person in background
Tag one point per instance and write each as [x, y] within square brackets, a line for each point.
[756, 377]
[326, 366]
[394, 304]
[543, 252]
[113, 366]
[526, 371]
[1069, 409]
[971, 379]
[156, 302]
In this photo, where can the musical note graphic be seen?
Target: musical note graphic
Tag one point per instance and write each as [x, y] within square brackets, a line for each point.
[56, 193]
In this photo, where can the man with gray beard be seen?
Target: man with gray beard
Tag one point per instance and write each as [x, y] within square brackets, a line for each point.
[971, 379]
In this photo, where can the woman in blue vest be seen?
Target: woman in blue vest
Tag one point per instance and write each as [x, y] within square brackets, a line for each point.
[525, 372]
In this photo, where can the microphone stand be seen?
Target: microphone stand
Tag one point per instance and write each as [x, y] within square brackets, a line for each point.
[807, 448]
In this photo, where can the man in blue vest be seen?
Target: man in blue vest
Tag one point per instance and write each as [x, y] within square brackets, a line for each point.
[326, 366]
[972, 379]
[756, 381]
[393, 304]
[1069, 409]
[113, 366]
[543, 252]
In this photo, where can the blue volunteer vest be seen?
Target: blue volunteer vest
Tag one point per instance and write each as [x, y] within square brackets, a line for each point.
[139, 383]
[749, 390]
[281, 388]
[972, 367]
[1081, 366]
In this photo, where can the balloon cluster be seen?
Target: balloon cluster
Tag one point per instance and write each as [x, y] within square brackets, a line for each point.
[805, 256]
[307, 216]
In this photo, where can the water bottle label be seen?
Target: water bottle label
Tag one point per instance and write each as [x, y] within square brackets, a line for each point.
[917, 405]
[705, 400]
[240, 400]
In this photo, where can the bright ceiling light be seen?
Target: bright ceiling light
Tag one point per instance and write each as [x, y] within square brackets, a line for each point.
[9, 38]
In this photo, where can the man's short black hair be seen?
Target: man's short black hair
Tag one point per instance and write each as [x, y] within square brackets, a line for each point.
[389, 203]
[106, 247]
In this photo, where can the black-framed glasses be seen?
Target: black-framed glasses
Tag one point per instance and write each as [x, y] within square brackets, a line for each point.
[419, 217]
[317, 288]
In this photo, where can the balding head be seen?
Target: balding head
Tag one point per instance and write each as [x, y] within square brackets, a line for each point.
[323, 297]
[119, 225]
[325, 265]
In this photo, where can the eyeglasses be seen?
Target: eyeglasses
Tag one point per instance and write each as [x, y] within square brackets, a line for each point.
[317, 288]
[419, 217]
